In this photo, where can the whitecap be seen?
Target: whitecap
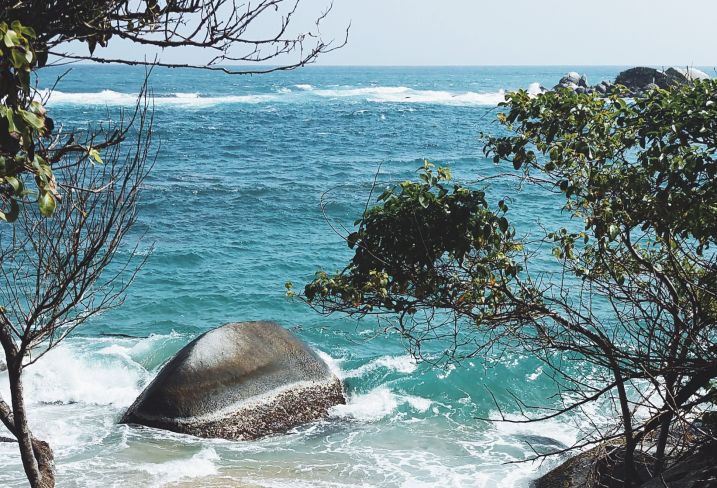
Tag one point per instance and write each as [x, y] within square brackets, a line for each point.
[202, 464]
[402, 94]
[181, 100]
[377, 404]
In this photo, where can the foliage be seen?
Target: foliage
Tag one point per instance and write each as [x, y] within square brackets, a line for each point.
[640, 177]
[460, 238]
[71, 195]
[22, 124]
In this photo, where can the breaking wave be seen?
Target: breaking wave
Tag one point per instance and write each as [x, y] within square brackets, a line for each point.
[305, 93]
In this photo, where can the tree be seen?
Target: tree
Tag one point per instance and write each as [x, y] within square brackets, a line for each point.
[70, 197]
[633, 306]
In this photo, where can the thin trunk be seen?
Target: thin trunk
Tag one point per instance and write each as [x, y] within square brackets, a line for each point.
[36, 455]
[630, 443]
[662, 443]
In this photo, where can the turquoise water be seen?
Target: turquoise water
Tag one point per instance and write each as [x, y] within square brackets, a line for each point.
[231, 211]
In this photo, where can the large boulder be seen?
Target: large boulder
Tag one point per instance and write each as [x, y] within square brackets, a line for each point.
[637, 79]
[599, 467]
[686, 75]
[240, 381]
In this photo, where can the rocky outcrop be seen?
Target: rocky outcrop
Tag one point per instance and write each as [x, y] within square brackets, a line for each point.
[686, 75]
[579, 84]
[239, 381]
[601, 467]
[637, 80]
[696, 471]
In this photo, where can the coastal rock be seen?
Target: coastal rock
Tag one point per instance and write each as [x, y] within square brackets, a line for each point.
[239, 381]
[637, 79]
[696, 471]
[600, 466]
[686, 75]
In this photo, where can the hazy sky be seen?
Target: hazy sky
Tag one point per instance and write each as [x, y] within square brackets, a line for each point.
[478, 32]
[513, 32]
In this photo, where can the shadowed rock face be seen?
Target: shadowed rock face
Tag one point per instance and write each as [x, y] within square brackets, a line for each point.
[239, 381]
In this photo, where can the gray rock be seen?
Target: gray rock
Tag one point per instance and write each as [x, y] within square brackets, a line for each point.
[601, 467]
[696, 471]
[685, 75]
[571, 77]
[601, 88]
[581, 90]
[637, 79]
[651, 86]
[583, 81]
[239, 381]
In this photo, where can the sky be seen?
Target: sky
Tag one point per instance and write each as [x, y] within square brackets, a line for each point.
[510, 32]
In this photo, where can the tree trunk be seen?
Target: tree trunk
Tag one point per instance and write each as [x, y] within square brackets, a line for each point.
[630, 471]
[37, 457]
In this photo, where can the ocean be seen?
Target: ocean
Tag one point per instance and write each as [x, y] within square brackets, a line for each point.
[253, 176]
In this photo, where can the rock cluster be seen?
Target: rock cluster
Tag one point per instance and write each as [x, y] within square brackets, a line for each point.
[579, 84]
[240, 381]
[637, 80]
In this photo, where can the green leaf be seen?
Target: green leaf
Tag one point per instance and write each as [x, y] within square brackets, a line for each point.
[14, 183]
[503, 224]
[47, 204]
[10, 39]
[35, 121]
[423, 200]
[613, 231]
[95, 155]
[18, 58]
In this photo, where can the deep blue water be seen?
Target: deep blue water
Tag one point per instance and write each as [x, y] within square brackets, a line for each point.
[232, 211]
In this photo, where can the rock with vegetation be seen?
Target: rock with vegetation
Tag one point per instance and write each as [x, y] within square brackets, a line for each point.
[239, 381]
[637, 80]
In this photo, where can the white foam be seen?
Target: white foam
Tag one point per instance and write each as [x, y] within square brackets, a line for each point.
[375, 94]
[405, 364]
[183, 100]
[535, 89]
[67, 375]
[535, 374]
[377, 404]
[402, 94]
[202, 464]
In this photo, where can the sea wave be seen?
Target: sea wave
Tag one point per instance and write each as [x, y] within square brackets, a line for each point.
[305, 93]
[378, 404]
[402, 94]
[180, 100]
[201, 465]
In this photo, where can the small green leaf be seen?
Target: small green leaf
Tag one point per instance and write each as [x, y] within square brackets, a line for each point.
[32, 119]
[423, 200]
[47, 204]
[10, 38]
[95, 155]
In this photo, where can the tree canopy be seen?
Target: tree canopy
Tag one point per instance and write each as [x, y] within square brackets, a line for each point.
[634, 180]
